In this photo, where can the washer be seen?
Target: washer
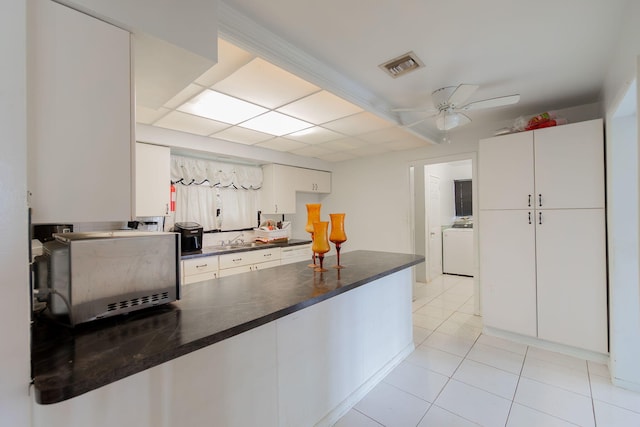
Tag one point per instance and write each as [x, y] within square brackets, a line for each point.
[457, 251]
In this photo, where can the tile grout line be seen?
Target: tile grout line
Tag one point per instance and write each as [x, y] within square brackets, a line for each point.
[526, 352]
[593, 404]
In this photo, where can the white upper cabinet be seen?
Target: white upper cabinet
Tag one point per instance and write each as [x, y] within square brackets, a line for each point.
[312, 181]
[153, 180]
[506, 172]
[278, 195]
[280, 184]
[79, 117]
[569, 166]
[554, 168]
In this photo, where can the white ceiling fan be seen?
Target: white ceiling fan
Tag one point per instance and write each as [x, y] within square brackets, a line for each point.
[449, 103]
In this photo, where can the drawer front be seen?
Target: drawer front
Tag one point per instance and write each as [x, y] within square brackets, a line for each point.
[295, 254]
[193, 278]
[249, 257]
[200, 265]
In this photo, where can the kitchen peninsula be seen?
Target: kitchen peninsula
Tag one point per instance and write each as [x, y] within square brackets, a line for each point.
[282, 346]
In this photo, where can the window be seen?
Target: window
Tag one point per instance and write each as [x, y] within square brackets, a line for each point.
[462, 191]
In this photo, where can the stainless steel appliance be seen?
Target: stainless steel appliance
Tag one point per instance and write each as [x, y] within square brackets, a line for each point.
[191, 236]
[88, 276]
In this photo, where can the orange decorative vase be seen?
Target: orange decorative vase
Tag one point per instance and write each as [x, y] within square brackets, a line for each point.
[337, 236]
[313, 215]
[320, 244]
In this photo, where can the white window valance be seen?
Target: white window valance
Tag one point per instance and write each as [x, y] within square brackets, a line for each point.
[188, 171]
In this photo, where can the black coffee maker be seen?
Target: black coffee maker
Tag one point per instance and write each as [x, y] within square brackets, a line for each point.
[190, 237]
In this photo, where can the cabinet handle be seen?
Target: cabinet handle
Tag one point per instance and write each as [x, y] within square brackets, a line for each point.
[237, 260]
[276, 208]
[529, 217]
[540, 200]
[540, 218]
[166, 208]
[529, 202]
[201, 266]
[267, 254]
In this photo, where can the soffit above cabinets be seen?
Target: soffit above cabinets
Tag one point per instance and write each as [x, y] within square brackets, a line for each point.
[314, 122]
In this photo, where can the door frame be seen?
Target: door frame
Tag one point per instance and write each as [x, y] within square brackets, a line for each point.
[418, 211]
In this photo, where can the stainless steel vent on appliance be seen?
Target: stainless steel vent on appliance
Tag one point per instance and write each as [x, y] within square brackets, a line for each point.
[402, 65]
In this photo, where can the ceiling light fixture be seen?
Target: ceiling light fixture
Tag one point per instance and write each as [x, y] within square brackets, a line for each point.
[223, 108]
[275, 123]
[402, 65]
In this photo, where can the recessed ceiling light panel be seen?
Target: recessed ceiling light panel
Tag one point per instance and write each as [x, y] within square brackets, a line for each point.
[275, 123]
[223, 108]
[402, 65]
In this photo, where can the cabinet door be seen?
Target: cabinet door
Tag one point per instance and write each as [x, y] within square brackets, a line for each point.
[312, 181]
[505, 172]
[572, 282]
[79, 148]
[153, 178]
[508, 270]
[278, 195]
[569, 166]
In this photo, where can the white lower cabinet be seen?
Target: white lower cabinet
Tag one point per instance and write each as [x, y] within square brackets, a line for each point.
[199, 269]
[292, 254]
[508, 270]
[242, 262]
[571, 276]
[543, 275]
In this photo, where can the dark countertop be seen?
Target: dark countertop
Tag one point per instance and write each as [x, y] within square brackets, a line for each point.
[216, 250]
[70, 362]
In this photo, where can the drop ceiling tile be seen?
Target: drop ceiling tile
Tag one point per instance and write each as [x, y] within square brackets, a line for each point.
[358, 124]
[265, 84]
[343, 144]
[369, 150]
[315, 135]
[336, 157]
[230, 58]
[242, 135]
[149, 115]
[275, 123]
[386, 135]
[184, 95]
[405, 144]
[218, 106]
[320, 107]
[281, 144]
[310, 151]
[184, 122]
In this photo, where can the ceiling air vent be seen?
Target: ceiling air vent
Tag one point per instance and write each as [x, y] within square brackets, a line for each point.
[402, 65]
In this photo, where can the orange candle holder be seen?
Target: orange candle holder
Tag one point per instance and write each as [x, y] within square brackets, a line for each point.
[337, 236]
[320, 244]
[313, 215]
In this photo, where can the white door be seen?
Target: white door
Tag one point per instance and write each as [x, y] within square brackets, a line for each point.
[571, 272]
[569, 163]
[434, 229]
[506, 172]
[508, 270]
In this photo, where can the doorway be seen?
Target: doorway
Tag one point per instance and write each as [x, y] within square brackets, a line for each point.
[433, 192]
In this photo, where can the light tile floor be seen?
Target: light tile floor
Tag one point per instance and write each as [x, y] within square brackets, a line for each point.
[459, 377]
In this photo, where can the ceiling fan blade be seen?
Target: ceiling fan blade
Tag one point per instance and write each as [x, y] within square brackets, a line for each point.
[447, 121]
[416, 109]
[461, 94]
[491, 103]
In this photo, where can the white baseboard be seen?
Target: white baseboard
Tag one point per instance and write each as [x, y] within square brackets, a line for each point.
[548, 345]
[339, 411]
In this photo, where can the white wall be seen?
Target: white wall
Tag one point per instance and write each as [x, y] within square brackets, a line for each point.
[14, 288]
[623, 287]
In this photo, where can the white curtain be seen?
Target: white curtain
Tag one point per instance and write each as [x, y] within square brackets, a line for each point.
[196, 171]
[198, 184]
[239, 208]
[197, 203]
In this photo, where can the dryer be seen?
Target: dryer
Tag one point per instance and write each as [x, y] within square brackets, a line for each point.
[457, 251]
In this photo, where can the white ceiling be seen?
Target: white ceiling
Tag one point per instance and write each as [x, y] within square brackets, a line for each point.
[554, 54]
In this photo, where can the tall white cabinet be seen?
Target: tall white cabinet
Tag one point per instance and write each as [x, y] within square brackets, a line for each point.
[153, 180]
[79, 116]
[542, 234]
